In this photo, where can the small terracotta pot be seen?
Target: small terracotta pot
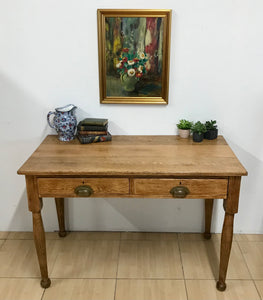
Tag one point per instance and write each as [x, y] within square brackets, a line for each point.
[184, 133]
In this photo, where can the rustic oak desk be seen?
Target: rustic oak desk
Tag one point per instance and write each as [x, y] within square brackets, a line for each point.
[134, 167]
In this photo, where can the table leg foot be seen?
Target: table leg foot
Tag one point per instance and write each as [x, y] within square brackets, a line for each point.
[62, 233]
[221, 286]
[208, 217]
[45, 283]
[61, 220]
[207, 236]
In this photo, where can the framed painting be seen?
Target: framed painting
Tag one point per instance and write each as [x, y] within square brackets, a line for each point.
[134, 50]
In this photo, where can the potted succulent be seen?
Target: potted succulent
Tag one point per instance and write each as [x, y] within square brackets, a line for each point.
[212, 130]
[184, 127]
[198, 130]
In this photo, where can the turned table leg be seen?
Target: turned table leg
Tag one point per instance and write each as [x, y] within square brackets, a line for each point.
[35, 206]
[226, 243]
[230, 207]
[61, 219]
[208, 217]
[40, 243]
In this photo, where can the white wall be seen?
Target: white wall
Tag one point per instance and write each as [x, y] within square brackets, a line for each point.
[48, 58]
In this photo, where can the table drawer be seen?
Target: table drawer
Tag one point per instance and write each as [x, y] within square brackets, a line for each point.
[66, 187]
[197, 188]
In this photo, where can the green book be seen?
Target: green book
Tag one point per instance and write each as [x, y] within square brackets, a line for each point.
[93, 121]
[93, 127]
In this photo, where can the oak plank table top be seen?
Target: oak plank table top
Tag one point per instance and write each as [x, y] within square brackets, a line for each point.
[134, 156]
[134, 166]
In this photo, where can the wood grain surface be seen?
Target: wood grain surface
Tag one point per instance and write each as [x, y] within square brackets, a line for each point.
[198, 188]
[51, 187]
[134, 156]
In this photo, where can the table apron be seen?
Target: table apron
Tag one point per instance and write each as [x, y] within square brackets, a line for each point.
[133, 187]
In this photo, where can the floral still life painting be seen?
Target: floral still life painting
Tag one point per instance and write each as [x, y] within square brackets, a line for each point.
[134, 56]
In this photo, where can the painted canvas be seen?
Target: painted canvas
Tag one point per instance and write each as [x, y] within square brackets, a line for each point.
[134, 56]
[134, 52]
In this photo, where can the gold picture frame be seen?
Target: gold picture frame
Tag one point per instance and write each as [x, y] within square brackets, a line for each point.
[134, 54]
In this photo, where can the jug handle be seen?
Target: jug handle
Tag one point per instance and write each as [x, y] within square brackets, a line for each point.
[48, 119]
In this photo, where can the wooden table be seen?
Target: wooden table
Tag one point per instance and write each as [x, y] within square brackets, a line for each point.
[134, 167]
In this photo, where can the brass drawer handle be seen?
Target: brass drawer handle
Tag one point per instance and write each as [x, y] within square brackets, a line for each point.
[83, 191]
[179, 191]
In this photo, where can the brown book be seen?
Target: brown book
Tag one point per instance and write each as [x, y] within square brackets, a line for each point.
[86, 132]
[88, 139]
[92, 128]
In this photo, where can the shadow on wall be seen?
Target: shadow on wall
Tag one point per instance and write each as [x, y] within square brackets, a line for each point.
[23, 114]
[171, 215]
[165, 215]
[23, 126]
[21, 217]
[113, 127]
[250, 216]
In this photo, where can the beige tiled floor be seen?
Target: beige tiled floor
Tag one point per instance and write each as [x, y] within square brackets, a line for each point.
[201, 260]
[253, 254]
[3, 235]
[259, 285]
[20, 288]
[130, 266]
[137, 289]
[80, 289]
[150, 259]
[236, 289]
[86, 259]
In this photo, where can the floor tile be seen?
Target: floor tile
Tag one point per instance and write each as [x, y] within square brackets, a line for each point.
[71, 235]
[236, 290]
[80, 289]
[1, 243]
[253, 254]
[259, 285]
[150, 259]
[20, 235]
[201, 260]
[86, 259]
[20, 289]
[3, 234]
[93, 235]
[28, 235]
[155, 236]
[128, 289]
[18, 258]
[249, 237]
[197, 236]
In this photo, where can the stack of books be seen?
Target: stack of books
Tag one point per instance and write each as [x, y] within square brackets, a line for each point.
[93, 130]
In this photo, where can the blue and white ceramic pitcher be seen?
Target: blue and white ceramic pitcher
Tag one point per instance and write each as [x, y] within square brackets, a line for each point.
[64, 122]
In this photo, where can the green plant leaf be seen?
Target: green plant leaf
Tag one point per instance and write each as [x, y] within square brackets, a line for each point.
[184, 124]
